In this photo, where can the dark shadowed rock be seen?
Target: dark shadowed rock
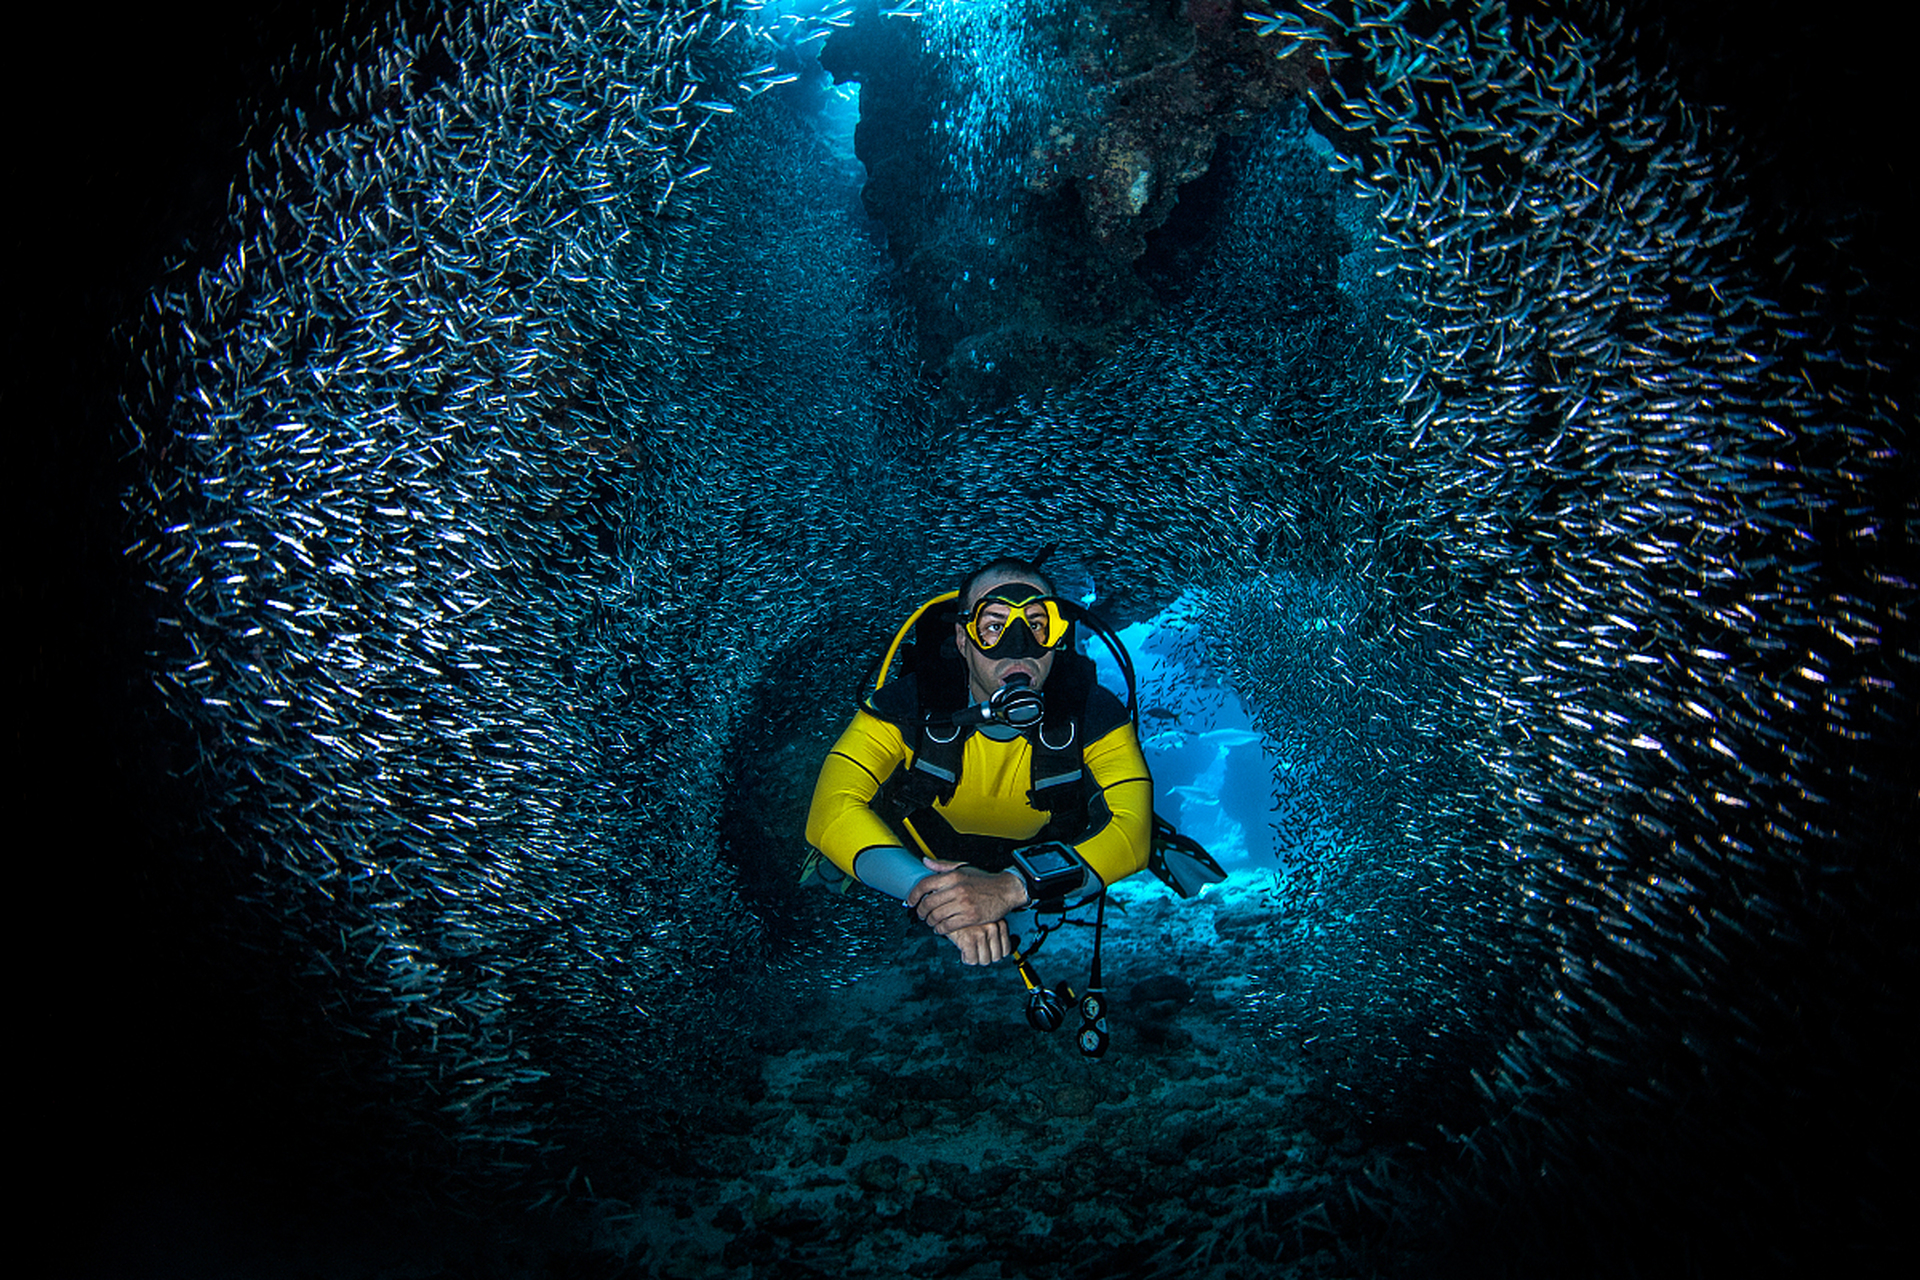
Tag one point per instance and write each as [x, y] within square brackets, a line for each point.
[935, 1214]
[882, 1173]
[1162, 988]
[1035, 289]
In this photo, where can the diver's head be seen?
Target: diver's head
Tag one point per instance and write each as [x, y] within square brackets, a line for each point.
[1009, 625]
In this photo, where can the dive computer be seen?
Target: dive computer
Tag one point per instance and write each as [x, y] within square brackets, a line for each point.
[1051, 869]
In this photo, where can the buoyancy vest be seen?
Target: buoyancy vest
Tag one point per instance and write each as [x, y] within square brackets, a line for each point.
[919, 703]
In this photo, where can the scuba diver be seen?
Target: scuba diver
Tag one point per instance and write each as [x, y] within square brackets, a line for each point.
[995, 784]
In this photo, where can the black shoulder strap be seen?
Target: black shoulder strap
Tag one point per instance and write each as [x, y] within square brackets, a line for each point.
[937, 748]
[1059, 744]
[897, 703]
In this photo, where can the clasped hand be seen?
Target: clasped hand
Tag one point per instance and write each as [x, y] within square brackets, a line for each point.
[969, 908]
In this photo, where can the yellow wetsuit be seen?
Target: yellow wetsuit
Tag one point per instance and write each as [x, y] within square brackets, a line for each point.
[990, 800]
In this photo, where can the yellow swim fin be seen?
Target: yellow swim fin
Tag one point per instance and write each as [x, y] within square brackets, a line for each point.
[819, 870]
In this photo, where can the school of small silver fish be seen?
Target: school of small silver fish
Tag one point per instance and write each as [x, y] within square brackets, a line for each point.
[1557, 524]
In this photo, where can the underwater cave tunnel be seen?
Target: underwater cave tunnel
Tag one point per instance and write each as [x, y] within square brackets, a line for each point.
[1476, 833]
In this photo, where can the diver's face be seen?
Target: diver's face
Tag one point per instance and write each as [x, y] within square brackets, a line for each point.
[986, 675]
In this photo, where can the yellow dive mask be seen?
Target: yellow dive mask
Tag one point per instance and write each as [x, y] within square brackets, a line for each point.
[1016, 620]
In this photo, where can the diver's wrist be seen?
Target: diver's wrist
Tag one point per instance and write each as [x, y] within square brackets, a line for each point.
[1020, 883]
[890, 869]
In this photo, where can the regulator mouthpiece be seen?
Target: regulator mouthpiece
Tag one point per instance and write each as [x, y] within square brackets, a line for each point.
[1016, 703]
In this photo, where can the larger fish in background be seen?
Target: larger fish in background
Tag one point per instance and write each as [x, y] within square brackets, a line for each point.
[539, 409]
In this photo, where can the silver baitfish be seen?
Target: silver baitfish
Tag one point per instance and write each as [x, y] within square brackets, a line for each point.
[497, 393]
[547, 420]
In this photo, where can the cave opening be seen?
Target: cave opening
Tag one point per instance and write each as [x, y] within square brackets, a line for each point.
[978, 136]
[1214, 773]
[1051, 320]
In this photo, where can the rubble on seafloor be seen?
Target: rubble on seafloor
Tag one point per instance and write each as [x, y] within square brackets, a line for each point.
[912, 1123]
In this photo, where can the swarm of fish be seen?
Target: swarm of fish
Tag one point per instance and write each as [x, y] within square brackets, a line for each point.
[1623, 662]
[544, 436]
[484, 469]
[1006, 85]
